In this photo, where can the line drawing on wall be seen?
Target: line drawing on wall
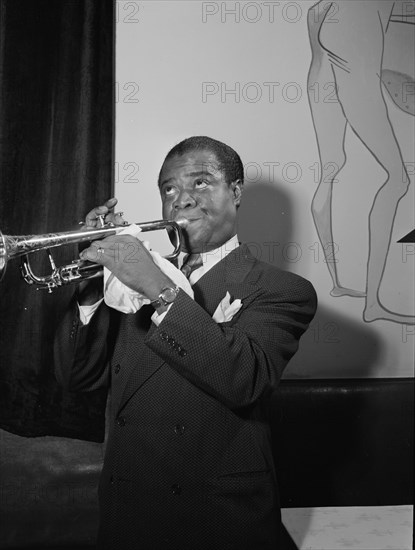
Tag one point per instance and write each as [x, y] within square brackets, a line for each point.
[348, 39]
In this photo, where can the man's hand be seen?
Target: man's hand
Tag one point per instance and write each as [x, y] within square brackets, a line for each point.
[130, 261]
[90, 291]
[106, 210]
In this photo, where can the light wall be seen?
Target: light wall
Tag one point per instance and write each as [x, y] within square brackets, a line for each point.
[237, 71]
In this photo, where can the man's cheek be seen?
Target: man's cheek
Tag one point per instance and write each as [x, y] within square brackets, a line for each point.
[166, 209]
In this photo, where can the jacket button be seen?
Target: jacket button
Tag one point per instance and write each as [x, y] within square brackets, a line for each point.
[117, 368]
[163, 335]
[179, 429]
[121, 421]
[182, 352]
[176, 489]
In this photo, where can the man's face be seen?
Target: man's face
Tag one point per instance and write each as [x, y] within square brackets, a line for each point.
[193, 187]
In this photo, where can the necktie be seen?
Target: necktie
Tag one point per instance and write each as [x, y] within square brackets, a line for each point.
[190, 263]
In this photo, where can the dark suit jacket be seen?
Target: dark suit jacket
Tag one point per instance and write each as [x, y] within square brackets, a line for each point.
[188, 463]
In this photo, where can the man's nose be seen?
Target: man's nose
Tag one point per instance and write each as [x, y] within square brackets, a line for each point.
[184, 200]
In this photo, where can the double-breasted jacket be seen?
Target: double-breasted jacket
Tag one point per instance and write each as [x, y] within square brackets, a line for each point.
[188, 462]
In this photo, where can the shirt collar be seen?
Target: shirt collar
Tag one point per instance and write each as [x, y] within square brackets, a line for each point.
[214, 256]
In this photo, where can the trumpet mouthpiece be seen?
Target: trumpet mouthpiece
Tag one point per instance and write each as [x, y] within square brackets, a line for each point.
[183, 222]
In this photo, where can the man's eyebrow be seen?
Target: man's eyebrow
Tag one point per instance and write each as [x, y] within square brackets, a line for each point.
[201, 173]
[192, 175]
[165, 181]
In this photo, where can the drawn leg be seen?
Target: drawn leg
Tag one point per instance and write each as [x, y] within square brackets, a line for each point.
[367, 114]
[330, 127]
[355, 46]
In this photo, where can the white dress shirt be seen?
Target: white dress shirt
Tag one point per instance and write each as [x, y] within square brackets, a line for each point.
[209, 259]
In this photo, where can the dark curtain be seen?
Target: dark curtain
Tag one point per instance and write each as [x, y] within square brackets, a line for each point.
[56, 147]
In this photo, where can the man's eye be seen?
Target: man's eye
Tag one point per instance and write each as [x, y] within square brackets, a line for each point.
[168, 190]
[200, 184]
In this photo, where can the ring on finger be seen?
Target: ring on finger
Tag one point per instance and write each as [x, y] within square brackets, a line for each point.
[100, 250]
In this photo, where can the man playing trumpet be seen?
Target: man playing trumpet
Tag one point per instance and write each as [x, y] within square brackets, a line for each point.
[188, 461]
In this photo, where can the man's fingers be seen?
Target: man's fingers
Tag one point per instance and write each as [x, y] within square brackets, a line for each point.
[92, 218]
[119, 219]
[115, 248]
[115, 218]
[94, 253]
[110, 203]
[105, 213]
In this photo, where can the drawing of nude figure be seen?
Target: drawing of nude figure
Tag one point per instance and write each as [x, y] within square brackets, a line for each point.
[349, 43]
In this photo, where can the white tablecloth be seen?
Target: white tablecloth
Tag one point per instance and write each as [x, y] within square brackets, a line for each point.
[350, 528]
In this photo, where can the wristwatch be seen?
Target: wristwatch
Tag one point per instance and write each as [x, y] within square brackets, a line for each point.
[165, 298]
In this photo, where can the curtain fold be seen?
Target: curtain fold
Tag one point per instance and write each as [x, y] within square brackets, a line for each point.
[56, 151]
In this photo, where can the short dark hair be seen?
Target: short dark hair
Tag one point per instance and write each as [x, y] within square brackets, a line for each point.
[229, 160]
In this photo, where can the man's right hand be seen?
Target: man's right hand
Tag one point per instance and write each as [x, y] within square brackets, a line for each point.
[90, 291]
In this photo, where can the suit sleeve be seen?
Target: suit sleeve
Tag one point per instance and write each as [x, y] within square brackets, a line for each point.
[238, 360]
[80, 351]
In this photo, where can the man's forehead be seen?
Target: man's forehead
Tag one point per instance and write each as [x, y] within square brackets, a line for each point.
[192, 163]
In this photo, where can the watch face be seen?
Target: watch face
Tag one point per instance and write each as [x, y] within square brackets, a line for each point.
[168, 294]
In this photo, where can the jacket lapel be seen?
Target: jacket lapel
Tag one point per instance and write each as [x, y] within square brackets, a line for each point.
[231, 274]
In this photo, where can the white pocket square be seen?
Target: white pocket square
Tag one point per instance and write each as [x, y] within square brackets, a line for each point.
[226, 310]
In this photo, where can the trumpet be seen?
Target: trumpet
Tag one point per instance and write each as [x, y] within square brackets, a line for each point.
[23, 245]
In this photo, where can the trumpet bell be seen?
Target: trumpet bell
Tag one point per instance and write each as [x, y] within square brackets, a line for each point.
[3, 255]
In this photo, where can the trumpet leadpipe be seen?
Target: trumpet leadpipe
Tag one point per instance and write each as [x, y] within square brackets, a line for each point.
[14, 246]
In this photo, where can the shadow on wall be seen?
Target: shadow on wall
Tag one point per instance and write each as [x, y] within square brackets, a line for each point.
[265, 221]
[334, 346]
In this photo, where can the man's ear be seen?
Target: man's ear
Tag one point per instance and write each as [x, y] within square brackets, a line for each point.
[237, 188]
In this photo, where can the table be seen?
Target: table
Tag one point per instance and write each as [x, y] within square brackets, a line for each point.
[350, 528]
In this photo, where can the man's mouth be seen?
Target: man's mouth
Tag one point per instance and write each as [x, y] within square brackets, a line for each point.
[184, 221]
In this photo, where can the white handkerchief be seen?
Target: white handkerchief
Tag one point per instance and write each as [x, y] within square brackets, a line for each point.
[226, 310]
[119, 296]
